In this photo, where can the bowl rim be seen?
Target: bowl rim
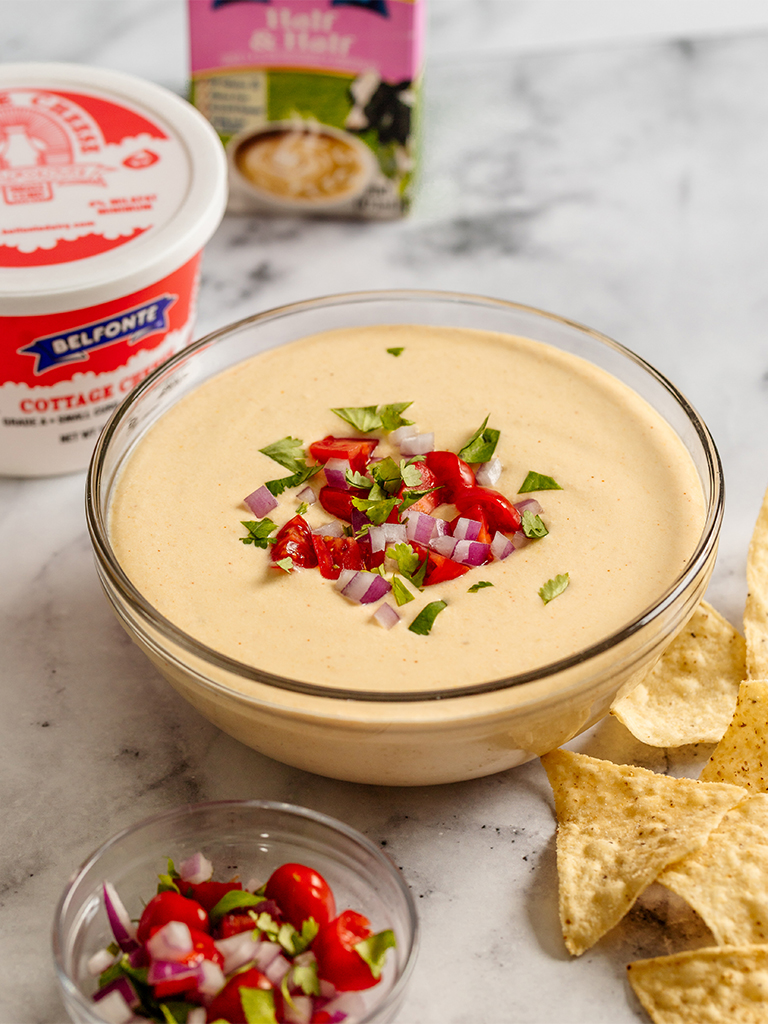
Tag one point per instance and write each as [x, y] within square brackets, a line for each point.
[72, 990]
[108, 564]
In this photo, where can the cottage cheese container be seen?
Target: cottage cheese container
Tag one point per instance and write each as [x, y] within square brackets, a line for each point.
[110, 186]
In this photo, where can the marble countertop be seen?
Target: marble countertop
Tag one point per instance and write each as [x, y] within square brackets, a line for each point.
[617, 177]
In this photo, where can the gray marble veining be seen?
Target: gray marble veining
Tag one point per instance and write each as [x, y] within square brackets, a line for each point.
[623, 186]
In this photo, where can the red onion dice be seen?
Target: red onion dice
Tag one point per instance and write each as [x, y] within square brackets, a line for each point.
[261, 501]
[501, 547]
[418, 445]
[487, 474]
[444, 545]
[336, 473]
[419, 526]
[466, 529]
[171, 942]
[529, 505]
[307, 495]
[332, 529]
[122, 927]
[386, 615]
[196, 869]
[402, 433]
[365, 587]
[388, 533]
[471, 552]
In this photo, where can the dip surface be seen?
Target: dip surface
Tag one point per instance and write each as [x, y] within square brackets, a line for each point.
[623, 527]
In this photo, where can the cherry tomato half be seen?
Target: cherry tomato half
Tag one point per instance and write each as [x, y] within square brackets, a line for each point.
[294, 541]
[170, 906]
[500, 514]
[356, 450]
[338, 502]
[451, 473]
[301, 893]
[430, 501]
[337, 959]
[228, 1005]
[233, 923]
[335, 554]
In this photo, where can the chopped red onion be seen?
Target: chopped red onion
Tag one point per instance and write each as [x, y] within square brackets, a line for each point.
[268, 951]
[419, 526]
[238, 949]
[386, 616]
[444, 545]
[307, 495]
[113, 1007]
[420, 444]
[471, 552]
[170, 970]
[344, 578]
[277, 969]
[350, 1003]
[197, 1015]
[366, 587]
[487, 474]
[298, 1010]
[529, 505]
[126, 989]
[99, 962]
[122, 927]
[466, 529]
[520, 540]
[336, 473]
[210, 980]
[173, 941]
[387, 533]
[402, 433]
[332, 529]
[196, 869]
[501, 547]
[442, 527]
[261, 501]
[358, 520]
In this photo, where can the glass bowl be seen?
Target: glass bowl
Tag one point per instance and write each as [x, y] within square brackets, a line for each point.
[247, 838]
[465, 730]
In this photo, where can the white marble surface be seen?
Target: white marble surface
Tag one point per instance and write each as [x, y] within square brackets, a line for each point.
[612, 168]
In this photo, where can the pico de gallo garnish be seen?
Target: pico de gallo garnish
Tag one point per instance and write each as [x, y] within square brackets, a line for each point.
[385, 538]
[206, 951]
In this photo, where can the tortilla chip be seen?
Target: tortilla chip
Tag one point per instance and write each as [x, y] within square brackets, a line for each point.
[741, 756]
[690, 695]
[723, 985]
[756, 609]
[726, 881]
[618, 827]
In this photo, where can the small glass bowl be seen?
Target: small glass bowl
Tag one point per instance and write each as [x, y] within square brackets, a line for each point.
[465, 730]
[247, 838]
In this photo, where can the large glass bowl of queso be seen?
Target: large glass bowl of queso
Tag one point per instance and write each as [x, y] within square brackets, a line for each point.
[280, 659]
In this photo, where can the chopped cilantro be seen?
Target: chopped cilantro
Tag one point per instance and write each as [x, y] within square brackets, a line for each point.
[538, 482]
[276, 487]
[479, 586]
[410, 473]
[388, 476]
[355, 479]
[235, 899]
[175, 1011]
[554, 587]
[533, 525]
[285, 563]
[411, 497]
[374, 950]
[377, 511]
[408, 563]
[258, 532]
[366, 418]
[302, 509]
[396, 351]
[258, 1005]
[295, 942]
[481, 446]
[401, 593]
[301, 976]
[425, 620]
[288, 452]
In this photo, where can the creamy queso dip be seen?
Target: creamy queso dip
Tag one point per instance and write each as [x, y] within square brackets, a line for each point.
[623, 527]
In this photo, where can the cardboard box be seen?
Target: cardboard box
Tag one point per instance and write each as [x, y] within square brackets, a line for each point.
[316, 101]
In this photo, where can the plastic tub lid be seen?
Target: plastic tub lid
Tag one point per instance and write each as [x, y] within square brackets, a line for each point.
[107, 184]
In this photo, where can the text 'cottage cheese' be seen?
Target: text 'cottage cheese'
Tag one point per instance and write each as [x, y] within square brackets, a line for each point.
[109, 188]
[623, 525]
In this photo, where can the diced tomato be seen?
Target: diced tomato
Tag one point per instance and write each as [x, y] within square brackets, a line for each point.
[337, 553]
[500, 514]
[339, 503]
[294, 541]
[170, 906]
[475, 512]
[337, 959]
[301, 893]
[208, 894]
[227, 1005]
[233, 923]
[430, 501]
[356, 450]
[451, 473]
[439, 568]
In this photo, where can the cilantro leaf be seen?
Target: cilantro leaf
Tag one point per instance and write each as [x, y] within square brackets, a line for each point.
[374, 950]
[411, 497]
[554, 587]
[235, 899]
[302, 509]
[533, 525]
[425, 620]
[362, 417]
[481, 446]
[538, 482]
[388, 476]
[408, 563]
[175, 1011]
[479, 586]
[355, 479]
[288, 452]
[410, 472]
[258, 532]
[396, 351]
[286, 564]
[276, 487]
[377, 511]
[295, 942]
[391, 417]
[258, 1005]
[401, 593]
[304, 976]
